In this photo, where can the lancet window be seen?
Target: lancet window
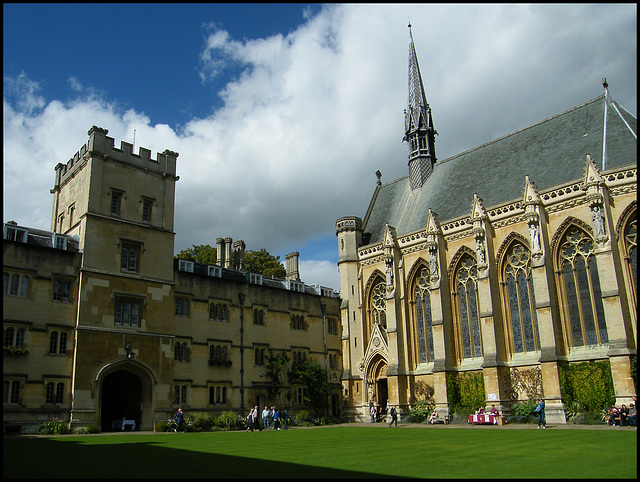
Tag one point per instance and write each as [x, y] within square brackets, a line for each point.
[519, 301]
[579, 283]
[424, 330]
[468, 313]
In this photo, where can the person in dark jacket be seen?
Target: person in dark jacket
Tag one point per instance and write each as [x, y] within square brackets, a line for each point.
[179, 419]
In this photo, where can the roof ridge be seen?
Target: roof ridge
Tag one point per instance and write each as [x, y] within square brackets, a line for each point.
[521, 129]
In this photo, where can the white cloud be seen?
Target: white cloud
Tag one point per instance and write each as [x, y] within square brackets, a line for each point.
[315, 113]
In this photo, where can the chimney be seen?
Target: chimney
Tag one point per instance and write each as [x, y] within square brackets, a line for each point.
[228, 261]
[292, 266]
[238, 256]
[220, 252]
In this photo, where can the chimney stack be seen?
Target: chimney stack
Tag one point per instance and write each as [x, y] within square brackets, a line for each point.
[292, 266]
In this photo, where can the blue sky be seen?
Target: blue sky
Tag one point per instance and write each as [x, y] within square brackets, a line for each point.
[282, 113]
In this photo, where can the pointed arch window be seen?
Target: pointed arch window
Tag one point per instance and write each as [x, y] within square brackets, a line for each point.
[424, 329]
[631, 255]
[522, 319]
[583, 309]
[468, 313]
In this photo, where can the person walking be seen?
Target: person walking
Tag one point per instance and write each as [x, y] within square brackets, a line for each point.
[285, 419]
[540, 411]
[394, 416]
[179, 419]
[265, 418]
[276, 419]
[372, 411]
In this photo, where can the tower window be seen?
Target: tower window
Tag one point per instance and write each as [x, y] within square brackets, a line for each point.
[147, 205]
[116, 202]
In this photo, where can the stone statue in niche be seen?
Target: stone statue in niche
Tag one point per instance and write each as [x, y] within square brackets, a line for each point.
[389, 273]
[480, 251]
[598, 220]
[433, 264]
[535, 239]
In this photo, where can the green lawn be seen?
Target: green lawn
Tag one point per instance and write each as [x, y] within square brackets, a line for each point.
[331, 452]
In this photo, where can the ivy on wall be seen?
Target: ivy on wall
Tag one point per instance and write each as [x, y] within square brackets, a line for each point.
[465, 391]
[588, 383]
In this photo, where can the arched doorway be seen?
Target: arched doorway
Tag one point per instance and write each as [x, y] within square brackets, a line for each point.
[377, 381]
[121, 397]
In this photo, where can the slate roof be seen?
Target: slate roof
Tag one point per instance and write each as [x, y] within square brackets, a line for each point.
[552, 152]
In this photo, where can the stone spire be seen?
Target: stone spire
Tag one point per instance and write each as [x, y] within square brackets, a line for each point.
[418, 124]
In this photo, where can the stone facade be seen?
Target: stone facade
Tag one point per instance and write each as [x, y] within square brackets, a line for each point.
[109, 325]
[537, 276]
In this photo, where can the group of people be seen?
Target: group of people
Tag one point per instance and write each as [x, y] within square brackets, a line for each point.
[376, 412]
[624, 416]
[272, 419]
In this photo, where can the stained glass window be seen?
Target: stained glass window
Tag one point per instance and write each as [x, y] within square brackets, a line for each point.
[584, 310]
[468, 314]
[423, 317]
[521, 313]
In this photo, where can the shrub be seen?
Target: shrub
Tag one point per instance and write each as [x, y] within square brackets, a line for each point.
[199, 422]
[54, 427]
[228, 420]
[523, 412]
[301, 416]
[419, 412]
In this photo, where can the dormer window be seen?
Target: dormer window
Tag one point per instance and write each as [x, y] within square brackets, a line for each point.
[184, 265]
[59, 242]
[12, 233]
[255, 279]
[215, 271]
[295, 286]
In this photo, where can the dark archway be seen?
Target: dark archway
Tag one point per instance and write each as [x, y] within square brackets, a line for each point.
[121, 398]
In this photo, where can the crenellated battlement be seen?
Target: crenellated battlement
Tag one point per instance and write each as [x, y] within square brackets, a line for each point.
[99, 144]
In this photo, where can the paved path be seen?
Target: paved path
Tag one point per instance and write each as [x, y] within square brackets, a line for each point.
[382, 425]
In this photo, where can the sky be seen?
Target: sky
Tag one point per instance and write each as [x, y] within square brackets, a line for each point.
[282, 113]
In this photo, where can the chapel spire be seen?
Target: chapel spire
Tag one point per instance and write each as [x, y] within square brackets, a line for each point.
[418, 124]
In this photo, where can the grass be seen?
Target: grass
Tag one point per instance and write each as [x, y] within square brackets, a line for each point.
[331, 452]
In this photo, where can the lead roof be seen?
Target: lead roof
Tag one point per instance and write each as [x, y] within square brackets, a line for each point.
[551, 152]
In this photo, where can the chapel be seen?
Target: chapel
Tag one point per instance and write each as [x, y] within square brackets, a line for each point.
[505, 262]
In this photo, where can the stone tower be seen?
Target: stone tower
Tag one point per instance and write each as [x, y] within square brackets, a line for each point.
[120, 205]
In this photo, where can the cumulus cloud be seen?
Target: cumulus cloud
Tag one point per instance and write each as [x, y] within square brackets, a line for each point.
[311, 115]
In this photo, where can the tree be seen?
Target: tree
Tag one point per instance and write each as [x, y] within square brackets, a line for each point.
[261, 262]
[202, 253]
[313, 377]
[276, 363]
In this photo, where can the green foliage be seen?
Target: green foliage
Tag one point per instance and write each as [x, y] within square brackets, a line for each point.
[263, 263]
[202, 253]
[465, 391]
[54, 427]
[420, 411]
[276, 364]
[300, 416]
[634, 370]
[228, 420]
[588, 383]
[199, 421]
[313, 377]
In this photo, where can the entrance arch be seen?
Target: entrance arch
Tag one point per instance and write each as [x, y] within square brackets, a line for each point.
[125, 391]
[377, 380]
[121, 398]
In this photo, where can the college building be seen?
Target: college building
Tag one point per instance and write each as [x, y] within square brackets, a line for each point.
[103, 325]
[505, 261]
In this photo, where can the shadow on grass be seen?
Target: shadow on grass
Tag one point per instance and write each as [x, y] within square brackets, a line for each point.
[47, 458]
